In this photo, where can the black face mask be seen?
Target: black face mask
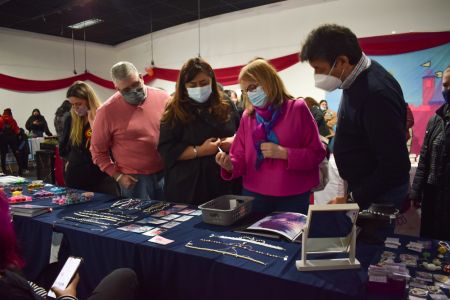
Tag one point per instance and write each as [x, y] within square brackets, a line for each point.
[446, 95]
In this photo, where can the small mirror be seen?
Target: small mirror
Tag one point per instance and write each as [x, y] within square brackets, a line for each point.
[330, 230]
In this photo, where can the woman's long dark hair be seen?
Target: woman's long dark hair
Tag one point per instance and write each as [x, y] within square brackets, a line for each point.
[178, 108]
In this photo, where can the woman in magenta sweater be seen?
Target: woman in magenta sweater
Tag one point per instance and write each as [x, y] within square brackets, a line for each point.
[277, 149]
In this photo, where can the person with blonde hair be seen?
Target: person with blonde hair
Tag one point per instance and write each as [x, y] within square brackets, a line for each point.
[277, 149]
[196, 122]
[81, 172]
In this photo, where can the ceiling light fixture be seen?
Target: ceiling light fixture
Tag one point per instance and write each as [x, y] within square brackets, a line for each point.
[85, 23]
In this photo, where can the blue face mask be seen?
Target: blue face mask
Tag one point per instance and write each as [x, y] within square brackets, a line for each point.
[446, 95]
[200, 94]
[257, 97]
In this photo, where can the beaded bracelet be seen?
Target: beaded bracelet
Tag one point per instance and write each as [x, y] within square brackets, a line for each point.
[156, 208]
[190, 245]
[390, 216]
[86, 221]
[106, 218]
[121, 216]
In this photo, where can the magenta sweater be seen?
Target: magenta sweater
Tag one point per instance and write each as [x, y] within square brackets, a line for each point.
[297, 132]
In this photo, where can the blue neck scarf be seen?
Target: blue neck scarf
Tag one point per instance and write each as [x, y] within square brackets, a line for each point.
[266, 119]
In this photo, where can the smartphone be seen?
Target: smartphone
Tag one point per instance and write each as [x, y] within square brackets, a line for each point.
[65, 276]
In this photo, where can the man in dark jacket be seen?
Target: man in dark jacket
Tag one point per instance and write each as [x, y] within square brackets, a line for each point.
[370, 145]
[37, 124]
[431, 186]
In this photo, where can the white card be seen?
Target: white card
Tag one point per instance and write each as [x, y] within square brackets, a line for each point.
[186, 211]
[170, 224]
[184, 218]
[155, 232]
[171, 217]
[160, 240]
[374, 278]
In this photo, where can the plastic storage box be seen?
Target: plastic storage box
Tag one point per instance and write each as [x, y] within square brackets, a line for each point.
[226, 210]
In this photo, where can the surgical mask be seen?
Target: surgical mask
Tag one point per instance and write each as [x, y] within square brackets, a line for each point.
[81, 111]
[257, 97]
[135, 96]
[200, 94]
[446, 95]
[328, 82]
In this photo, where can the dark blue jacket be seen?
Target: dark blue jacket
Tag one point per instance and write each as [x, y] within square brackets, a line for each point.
[370, 143]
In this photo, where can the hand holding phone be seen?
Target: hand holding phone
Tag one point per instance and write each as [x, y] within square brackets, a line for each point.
[65, 276]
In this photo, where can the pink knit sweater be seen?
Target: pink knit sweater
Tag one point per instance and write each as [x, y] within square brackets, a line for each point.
[297, 132]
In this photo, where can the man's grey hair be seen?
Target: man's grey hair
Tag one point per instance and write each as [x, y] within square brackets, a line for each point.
[122, 70]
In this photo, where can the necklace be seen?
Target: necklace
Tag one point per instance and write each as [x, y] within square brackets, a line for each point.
[245, 247]
[249, 240]
[126, 204]
[190, 245]
[156, 208]
[393, 215]
[99, 217]
[105, 216]
[86, 221]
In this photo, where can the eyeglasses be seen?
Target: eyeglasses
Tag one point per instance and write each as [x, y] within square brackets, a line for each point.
[250, 88]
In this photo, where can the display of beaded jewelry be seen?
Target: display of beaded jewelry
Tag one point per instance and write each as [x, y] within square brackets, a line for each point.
[391, 216]
[131, 204]
[250, 240]
[246, 247]
[235, 254]
[86, 221]
[156, 207]
[43, 194]
[116, 219]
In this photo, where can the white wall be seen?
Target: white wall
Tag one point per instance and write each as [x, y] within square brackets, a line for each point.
[42, 57]
[228, 40]
[275, 30]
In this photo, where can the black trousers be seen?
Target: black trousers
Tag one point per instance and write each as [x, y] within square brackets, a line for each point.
[9, 141]
[89, 177]
[120, 284]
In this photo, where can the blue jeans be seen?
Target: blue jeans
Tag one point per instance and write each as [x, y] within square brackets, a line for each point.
[148, 187]
[267, 204]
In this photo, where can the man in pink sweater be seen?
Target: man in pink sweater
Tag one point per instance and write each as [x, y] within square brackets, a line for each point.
[126, 133]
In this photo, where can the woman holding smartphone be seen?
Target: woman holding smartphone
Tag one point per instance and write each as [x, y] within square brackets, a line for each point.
[81, 173]
[118, 285]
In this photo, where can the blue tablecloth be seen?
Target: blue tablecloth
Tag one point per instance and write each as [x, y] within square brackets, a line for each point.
[176, 272]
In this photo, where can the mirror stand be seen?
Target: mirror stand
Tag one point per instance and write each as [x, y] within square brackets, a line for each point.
[350, 262]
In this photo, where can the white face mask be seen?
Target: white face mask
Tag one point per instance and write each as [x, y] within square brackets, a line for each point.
[200, 94]
[328, 82]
